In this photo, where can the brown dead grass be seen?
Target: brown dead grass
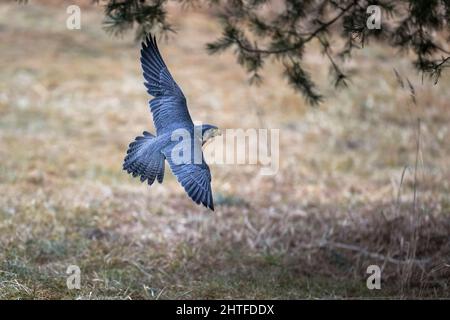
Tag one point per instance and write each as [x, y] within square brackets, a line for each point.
[71, 101]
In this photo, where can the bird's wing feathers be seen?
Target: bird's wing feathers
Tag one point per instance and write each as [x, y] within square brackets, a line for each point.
[169, 105]
[195, 179]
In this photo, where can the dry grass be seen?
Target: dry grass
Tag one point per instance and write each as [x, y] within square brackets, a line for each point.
[71, 101]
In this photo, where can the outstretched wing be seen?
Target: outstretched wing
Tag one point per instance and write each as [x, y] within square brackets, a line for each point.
[195, 179]
[169, 107]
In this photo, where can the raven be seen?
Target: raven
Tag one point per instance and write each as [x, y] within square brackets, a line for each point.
[147, 153]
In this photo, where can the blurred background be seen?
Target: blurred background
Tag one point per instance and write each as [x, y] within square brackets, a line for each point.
[360, 181]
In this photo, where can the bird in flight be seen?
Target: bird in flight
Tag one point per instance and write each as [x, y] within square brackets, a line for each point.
[146, 155]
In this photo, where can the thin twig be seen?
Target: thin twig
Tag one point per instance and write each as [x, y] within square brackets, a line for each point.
[365, 252]
[311, 36]
[377, 255]
[416, 164]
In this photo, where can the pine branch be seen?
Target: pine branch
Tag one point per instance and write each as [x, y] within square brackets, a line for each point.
[257, 33]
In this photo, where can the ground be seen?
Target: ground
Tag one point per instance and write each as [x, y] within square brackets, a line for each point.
[363, 178]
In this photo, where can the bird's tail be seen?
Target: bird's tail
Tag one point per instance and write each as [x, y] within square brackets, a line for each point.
[145, 159]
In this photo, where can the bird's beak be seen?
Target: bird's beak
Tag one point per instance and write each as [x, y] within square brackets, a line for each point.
[211, 134]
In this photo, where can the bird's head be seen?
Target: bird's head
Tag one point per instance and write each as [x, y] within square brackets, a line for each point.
[208, 132]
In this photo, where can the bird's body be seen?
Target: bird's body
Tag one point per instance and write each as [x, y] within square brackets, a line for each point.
[147, 154]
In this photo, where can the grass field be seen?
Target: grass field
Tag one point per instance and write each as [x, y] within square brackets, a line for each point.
[354, 188]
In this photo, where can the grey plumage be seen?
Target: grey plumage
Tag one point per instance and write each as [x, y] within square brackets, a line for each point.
[145, 156]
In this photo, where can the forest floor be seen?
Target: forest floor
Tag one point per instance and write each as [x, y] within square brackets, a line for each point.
[354, 187]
